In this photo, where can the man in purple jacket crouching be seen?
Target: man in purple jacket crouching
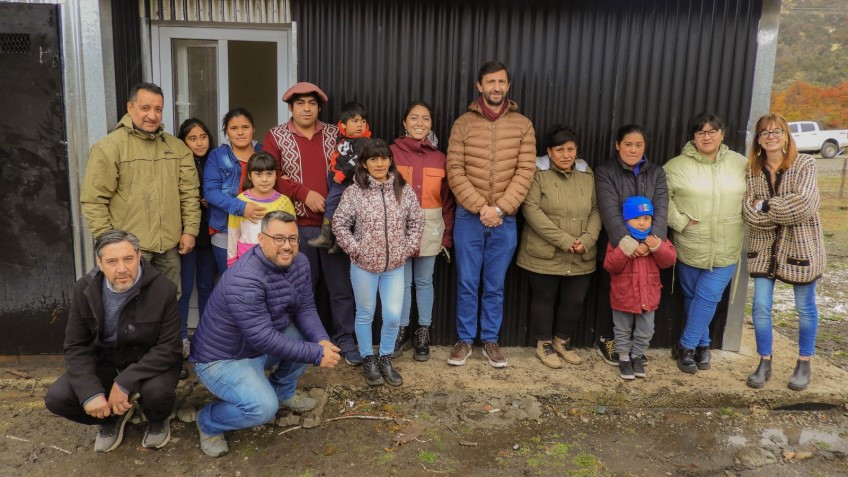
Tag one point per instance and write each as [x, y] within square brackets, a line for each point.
[260, 315]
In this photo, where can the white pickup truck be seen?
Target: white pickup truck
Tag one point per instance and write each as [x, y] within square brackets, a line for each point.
[810, 137]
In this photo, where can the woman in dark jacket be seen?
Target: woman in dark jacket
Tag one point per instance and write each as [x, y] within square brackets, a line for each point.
[628, 173]
[199, 264]
[379, 225]
[785, 240]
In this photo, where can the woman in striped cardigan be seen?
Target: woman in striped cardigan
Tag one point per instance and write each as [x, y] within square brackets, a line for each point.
[785, 241]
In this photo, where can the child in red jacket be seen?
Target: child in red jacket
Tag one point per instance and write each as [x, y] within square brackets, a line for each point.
[635, 285]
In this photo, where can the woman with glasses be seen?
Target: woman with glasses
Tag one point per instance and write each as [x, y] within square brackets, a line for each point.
[379, 224]
[785, 241]
[706, 186]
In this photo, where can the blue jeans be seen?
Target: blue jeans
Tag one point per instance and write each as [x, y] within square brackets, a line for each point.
[702, 291]
[365, 287]
[248, 398]
[481, 249]
[419, 270]
[808, 316]
[220, 254]
[198, 265]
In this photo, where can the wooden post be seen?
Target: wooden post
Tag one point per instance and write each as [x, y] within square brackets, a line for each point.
[844, 173]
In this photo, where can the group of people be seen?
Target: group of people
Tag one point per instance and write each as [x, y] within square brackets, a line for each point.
[256, 227]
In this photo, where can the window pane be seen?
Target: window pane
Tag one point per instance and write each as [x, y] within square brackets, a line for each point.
[196, 82]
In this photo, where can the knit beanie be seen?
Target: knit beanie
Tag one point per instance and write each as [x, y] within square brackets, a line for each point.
[637, 206]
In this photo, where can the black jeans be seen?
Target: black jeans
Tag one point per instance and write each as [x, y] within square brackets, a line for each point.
[556, 304]
[157, 394]
[335, 268]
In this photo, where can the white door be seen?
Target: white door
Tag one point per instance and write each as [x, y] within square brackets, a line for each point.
[205, 71]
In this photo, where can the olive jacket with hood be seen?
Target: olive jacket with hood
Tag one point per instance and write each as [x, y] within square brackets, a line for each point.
[560, 208]
[144, 183]
[491, 162]
[710, 192]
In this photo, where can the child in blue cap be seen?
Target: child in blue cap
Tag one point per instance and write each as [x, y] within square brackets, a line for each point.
[635, 285]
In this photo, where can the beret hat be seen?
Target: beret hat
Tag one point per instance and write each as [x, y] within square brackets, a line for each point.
[304, 88]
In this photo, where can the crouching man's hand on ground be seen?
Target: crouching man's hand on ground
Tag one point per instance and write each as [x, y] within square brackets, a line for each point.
[331, 354]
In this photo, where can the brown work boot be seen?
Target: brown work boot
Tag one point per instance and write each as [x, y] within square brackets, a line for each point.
[563, 348]
[546, 354]
[461, 352]
[492, 351]
[325, 239]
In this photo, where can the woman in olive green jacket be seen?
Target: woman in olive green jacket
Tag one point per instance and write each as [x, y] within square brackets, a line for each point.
[558, 245]
[706, 186]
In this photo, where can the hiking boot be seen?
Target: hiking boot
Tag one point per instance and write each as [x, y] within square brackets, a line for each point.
[625, 370]
[334, 248]
[563, 348]
[325, 237]
[638, 366]
[352, 357]
[111, 432]
[186, 348]
[371, 371]
[157, 434]
[459, 355]
[298, 403]
[213, 446]
[685, 359]
[421, 344]
[547, 355]
[400, 343]
[801, 377]
[758, 378]
[492, 351]
[606, 348]
[388, 371]
[702, 357]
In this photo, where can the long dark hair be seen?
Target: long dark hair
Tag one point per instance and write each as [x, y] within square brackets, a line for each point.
[188, 125]
[259, 162]
[234, 113]
[377, 148]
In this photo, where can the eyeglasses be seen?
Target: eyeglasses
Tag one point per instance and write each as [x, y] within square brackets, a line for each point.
[711, 133]
[774, 132]
[280, 240]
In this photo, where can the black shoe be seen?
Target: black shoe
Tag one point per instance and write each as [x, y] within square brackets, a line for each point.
[388, 371]
[324, 239]
[421, 344]
[625, 370]
[702, 357]
[758, 378]
[400, 343]
[352, 357]
[371, 371]
[685, 359]
[638, 366]
[606, 348]
[801, 377]
[643, 358]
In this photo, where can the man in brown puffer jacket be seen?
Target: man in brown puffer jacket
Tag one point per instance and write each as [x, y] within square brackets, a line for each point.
[490, 164]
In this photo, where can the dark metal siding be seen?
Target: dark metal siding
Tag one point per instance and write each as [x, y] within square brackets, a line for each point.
[595, 65]
[126, 37]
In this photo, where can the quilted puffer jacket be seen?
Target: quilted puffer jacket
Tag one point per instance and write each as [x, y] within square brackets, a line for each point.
[253, 303]
[491, 163]
[378, 232]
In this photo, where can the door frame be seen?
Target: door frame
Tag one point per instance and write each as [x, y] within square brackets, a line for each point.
[161, 51]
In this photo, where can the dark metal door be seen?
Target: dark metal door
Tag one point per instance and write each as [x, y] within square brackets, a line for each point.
[36, 242]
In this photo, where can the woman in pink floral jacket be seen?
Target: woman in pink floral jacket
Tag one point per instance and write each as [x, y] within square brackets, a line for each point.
[379, 224]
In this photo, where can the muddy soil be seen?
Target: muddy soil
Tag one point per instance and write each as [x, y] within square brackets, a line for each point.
[450, 433]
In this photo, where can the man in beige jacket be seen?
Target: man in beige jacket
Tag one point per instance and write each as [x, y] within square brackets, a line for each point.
[490, 164]
[143, 180]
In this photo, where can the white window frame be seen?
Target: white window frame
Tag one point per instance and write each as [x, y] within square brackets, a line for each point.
[162, 35]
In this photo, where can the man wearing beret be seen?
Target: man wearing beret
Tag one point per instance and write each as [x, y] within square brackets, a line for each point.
[302, 148]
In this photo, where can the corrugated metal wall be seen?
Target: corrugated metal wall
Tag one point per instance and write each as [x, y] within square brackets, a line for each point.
[595, 65]
[234, 11]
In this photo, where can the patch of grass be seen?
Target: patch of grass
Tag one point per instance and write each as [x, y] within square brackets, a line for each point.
[305, 473]
[585, 460]
[559, 449]
[424, 416]
[524, 451]
[821, 445]
[428, 457]
[728, 411]
[386, 458]
[533, 462]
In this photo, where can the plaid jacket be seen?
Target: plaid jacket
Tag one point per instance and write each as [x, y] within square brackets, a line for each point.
[785, 239]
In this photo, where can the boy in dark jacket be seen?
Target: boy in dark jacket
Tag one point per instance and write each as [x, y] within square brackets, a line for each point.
[353, 134]
[635, 285]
